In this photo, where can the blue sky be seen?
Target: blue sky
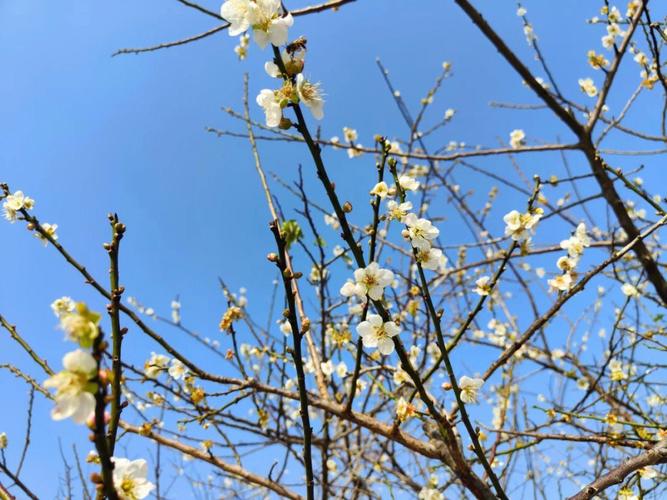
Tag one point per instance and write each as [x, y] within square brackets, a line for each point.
[84, 134]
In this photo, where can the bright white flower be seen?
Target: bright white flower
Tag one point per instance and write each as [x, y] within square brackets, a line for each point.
[156, 364]
[431, 258]
[177, 369]
[130, 478]
[449, 114]
[617, 372]
[420, 232]
[521, 11]
[583, 384]
[268, 100]
[483, 287]
[311, 95]
[49, 229]
[408, 183]
[561, 283]
[630, 290]
[469, 388]
[327, 368]
[268, 25]
[529, 33]
[80, 325]
[566, 263]
[15, 202]
[377, 333]
[355, 151]
[517, 137]
[588, 87]
[331, 220]
[62, 305]
[370, 280]
[380, 189]
[341, 369]
[396, 211]
[74, 387]
[235, 12]
[350, 134]
[404, 410]
[519, 226]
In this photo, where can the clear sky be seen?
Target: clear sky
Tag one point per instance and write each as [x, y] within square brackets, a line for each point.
[85, 134]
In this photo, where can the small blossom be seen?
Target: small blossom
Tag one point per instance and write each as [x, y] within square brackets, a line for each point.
[62, 306]
[427, 493]
[177, 369]
[380, 189]
[630, 290]
[80, 325]
[350, 134]
[311, 95]
[517, 137]
[519, 226]
[155, 364]
[15, 202]
[408, 183]
[469, 388]
[74, 387]
[370, 280]
[49, 229]
[130, 479]
[483, 287]
[396, 211]
[431, 258]
[588, 87]
[378, 333]
[561, 283]
[420, 232]
[268, 100]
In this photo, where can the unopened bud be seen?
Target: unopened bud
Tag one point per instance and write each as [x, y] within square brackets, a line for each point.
[285, 123]
[347, 207]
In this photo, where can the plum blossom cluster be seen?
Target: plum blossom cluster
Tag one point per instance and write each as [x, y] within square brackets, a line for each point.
[265, 17]
[574, 246]
[76, 386]
[18, 201]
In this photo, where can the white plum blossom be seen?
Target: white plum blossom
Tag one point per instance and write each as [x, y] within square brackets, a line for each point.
[177, 369]
[408, 183]
[156, 364]
[62, 306]
[74, 387]
[427, 493]
[370, 280]
[519, 226]
[517, 137]
[311, 95]
[263, 16]
[378, 333]
[588, 87]
[49, 229]
[380, 189]
[130, 478]
[350, 134]
[420, 232]
[483, 287]
[576, 243]
[15, 202]
[404, 409]
[398, 211]
[431, 258]
[561, 283]
[269, 102]
[630, 290]
[469, 388]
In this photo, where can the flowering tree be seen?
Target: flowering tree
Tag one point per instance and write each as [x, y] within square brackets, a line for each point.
[409, 360]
